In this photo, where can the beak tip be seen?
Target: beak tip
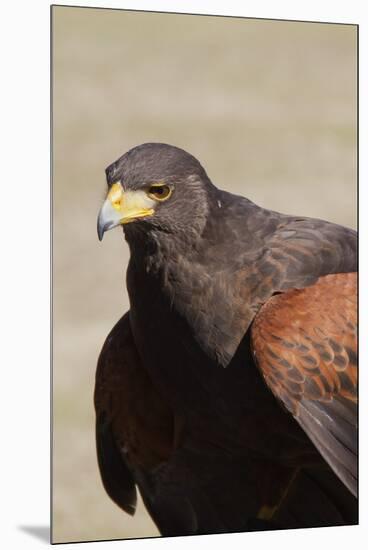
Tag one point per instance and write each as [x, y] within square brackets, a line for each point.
[107, 219]
[100, 234]
[100, 230]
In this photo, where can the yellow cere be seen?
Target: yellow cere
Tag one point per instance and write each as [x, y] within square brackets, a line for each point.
[115, 195]
[129, 204]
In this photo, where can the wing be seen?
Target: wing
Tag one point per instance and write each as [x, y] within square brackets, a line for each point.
[133, 423]
[135, 444]
[305, 344]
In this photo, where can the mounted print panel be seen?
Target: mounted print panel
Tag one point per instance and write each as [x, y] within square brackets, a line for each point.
[211, 386]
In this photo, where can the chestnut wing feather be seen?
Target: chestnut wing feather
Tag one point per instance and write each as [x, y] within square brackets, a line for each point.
[305, 344]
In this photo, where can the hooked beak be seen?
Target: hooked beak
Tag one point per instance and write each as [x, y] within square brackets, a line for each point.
[122, 207]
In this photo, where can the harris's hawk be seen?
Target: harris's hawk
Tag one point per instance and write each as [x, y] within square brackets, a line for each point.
[228, 393]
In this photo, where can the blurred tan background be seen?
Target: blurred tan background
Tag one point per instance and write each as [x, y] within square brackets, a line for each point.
[268, 107]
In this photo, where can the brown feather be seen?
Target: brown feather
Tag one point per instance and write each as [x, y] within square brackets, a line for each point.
[308, 337]
[141, 422]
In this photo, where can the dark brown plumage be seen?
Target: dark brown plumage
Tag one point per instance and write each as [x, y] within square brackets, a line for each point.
[228, 301]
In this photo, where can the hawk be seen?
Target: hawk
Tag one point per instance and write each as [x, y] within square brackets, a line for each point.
[227, 394]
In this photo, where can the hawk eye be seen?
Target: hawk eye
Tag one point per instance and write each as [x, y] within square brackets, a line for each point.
[159, 192]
